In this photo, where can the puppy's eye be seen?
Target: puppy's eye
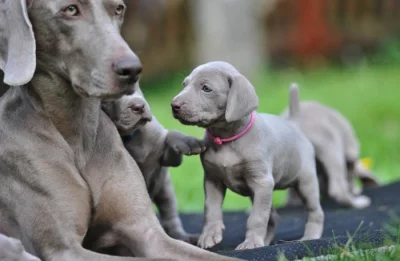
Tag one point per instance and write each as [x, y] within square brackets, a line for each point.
[120, 10]
[71, 10]
[205, 88]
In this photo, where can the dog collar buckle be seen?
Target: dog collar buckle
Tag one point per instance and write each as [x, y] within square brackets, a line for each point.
[217, 140]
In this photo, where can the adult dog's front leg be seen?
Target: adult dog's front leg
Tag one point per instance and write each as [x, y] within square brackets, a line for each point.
[123, 206]
[213, 218]
[257, 223]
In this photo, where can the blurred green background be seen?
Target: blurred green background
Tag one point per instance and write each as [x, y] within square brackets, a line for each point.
[345, 54]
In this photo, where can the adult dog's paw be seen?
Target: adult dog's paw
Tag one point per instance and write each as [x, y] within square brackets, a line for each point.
[12, 249]
[183, 144]
[211, 235]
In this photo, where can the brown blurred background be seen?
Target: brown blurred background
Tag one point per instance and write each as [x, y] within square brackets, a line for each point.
[171, 35]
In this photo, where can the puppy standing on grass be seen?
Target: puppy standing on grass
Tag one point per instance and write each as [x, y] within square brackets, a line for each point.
[250, 153]
[154, 149]
[336, 149]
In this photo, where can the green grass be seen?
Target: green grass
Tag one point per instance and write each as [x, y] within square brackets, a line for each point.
[368, 96]
[390, 253]
[365, 251]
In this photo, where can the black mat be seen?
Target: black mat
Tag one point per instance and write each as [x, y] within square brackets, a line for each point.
[339, 222]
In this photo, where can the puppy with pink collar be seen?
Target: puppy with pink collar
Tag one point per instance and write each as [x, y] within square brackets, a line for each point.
[250, 153]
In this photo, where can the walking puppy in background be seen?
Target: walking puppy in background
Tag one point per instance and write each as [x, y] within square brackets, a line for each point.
[154, 149]
[250, 153]
[337, 150]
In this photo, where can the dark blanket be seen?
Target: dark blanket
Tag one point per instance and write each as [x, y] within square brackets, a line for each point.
[367, 226]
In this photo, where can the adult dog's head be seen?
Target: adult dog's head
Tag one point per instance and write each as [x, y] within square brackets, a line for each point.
[77, 40]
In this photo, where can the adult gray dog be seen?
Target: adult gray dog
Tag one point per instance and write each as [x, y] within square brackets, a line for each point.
[250, 153]
[154, 149]
[337, 151]
[64, 172]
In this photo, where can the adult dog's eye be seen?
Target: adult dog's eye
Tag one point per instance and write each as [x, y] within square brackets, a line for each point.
[71, 10]
[120, 9]
[205, 88]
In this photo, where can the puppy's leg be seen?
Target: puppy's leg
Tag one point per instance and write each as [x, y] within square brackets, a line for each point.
[257, 223]
[338, 187]
[167, 205]
[272, 224]
[176, 144]
[213, 219]
[293, 198]
[308, 190]
[351, 179]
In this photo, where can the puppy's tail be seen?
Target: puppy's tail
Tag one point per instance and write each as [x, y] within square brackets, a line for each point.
[294, 101]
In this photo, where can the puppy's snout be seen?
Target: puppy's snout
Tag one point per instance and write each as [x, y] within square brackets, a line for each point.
[138, 107]
[176, 106]
[128, 69]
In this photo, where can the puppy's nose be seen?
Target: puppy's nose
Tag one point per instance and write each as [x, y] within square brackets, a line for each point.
[128, 69]
[176, 106]
[138, 107]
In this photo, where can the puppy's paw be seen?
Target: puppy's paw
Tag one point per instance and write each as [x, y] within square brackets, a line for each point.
[211, 235]
[183, 144]
[12, 249]
[361, 201]
[190, 238]
[305, 238]
[251, 242]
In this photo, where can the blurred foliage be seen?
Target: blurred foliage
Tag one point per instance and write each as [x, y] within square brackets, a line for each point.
[388, 53]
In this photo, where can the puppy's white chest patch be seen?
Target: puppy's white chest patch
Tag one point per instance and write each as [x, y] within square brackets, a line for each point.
[228, 167]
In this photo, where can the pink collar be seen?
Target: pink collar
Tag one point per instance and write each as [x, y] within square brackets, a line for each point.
[219, 141]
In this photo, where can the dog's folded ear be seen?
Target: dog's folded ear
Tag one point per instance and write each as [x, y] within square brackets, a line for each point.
[242, 99]
[17, 43]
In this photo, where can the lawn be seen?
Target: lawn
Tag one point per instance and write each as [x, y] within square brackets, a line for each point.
[369, 96]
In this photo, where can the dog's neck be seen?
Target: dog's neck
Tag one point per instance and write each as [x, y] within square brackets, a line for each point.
[226, 130]
[74, 116]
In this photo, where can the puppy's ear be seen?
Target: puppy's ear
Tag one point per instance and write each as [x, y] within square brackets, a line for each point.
[17, 43]
[242, 98]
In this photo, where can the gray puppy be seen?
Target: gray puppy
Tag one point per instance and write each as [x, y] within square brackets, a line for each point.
[337, 152]
[250, 153]
[154, 149]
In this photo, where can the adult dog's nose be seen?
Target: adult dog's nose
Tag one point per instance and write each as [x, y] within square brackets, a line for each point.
[176, 106]
[128, 69]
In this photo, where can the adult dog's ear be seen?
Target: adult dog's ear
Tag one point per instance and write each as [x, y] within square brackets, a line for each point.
[242, 98]
[17, 42]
